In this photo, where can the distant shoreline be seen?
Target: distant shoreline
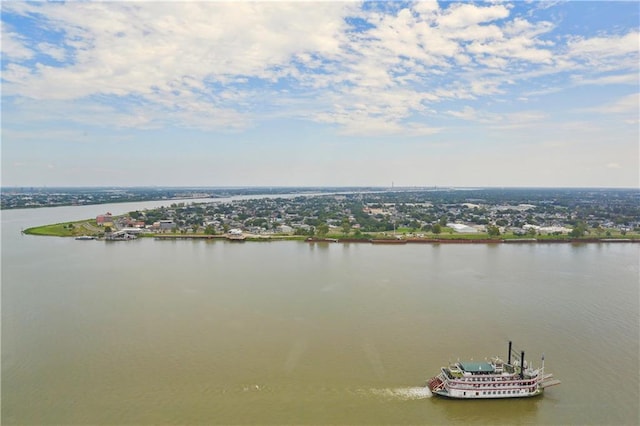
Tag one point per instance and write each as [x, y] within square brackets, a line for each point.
[390, 241]
[474, 241]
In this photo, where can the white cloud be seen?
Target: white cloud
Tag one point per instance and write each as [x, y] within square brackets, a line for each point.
[463, 15]
[56, 52]
[494, 120]
[626, 104]
[605, 46]
[15, 74]
[519, 48]
[610, 53]
[605, 80]
[13, 47]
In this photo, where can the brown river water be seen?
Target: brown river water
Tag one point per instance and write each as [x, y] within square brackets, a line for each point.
[216, 332]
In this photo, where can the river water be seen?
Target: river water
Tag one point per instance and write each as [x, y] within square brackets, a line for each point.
[216, 332]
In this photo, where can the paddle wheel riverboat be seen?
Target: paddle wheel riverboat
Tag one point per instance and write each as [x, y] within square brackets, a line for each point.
[491, 379]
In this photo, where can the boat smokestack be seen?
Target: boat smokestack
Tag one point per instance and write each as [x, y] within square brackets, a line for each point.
[509, 355]
[522, 365]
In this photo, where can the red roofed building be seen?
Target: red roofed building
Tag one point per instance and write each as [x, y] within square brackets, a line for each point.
[104, 219]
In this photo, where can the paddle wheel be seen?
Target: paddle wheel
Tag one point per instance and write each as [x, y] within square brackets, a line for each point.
[435, 384]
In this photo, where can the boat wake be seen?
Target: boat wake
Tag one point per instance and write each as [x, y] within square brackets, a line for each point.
[406, 394]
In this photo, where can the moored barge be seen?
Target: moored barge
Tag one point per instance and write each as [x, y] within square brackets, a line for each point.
[491, 379]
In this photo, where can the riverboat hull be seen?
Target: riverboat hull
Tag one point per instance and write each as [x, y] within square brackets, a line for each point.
[488, 395]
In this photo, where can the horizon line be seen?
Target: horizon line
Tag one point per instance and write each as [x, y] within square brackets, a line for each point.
[393, 187]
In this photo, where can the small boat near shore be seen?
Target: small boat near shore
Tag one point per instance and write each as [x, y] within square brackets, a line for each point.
[491, 379]
[236, 235]
[85, 237]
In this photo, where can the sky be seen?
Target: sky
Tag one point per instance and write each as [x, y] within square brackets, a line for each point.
[320, 93]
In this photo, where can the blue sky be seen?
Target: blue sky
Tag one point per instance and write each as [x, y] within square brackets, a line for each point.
[320, 93]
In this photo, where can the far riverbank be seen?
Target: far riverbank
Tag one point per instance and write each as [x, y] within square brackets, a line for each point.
[89, 228]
